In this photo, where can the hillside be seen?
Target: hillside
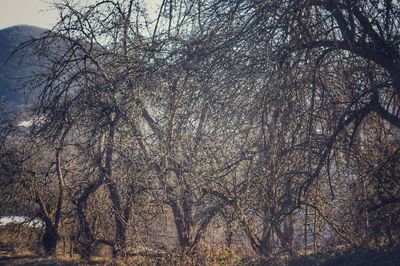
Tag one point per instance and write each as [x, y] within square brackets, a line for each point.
[12, 70]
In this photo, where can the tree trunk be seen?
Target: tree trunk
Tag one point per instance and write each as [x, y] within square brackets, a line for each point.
[50, 239]
[288, 233]
[181, 230]
[51, 236]
[86, 238]
[265, 250]
[120, 230]
[119, 243]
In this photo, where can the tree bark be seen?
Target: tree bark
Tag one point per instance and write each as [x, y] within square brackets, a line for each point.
[51, 235]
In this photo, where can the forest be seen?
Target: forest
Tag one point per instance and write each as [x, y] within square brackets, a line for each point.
[211, 132]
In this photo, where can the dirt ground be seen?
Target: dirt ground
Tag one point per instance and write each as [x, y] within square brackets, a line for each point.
[32, 260]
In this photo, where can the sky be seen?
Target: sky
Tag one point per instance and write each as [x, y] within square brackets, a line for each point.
[33, 12]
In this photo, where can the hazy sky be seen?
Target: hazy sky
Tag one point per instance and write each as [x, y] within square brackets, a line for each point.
[33, 12]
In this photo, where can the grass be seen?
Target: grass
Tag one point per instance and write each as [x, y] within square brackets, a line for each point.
[16, 250]
[350, 257]
[368, 256]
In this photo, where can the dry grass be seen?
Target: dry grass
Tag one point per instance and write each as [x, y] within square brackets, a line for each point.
[18, 246]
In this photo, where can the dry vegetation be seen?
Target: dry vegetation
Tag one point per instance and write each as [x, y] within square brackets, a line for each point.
[219, 133]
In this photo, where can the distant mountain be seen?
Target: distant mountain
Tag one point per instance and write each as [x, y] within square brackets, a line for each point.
[13, 69]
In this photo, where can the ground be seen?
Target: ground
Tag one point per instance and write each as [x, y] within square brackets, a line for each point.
[21, 248]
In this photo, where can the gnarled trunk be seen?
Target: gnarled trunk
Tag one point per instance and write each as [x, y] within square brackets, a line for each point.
[51, 223]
